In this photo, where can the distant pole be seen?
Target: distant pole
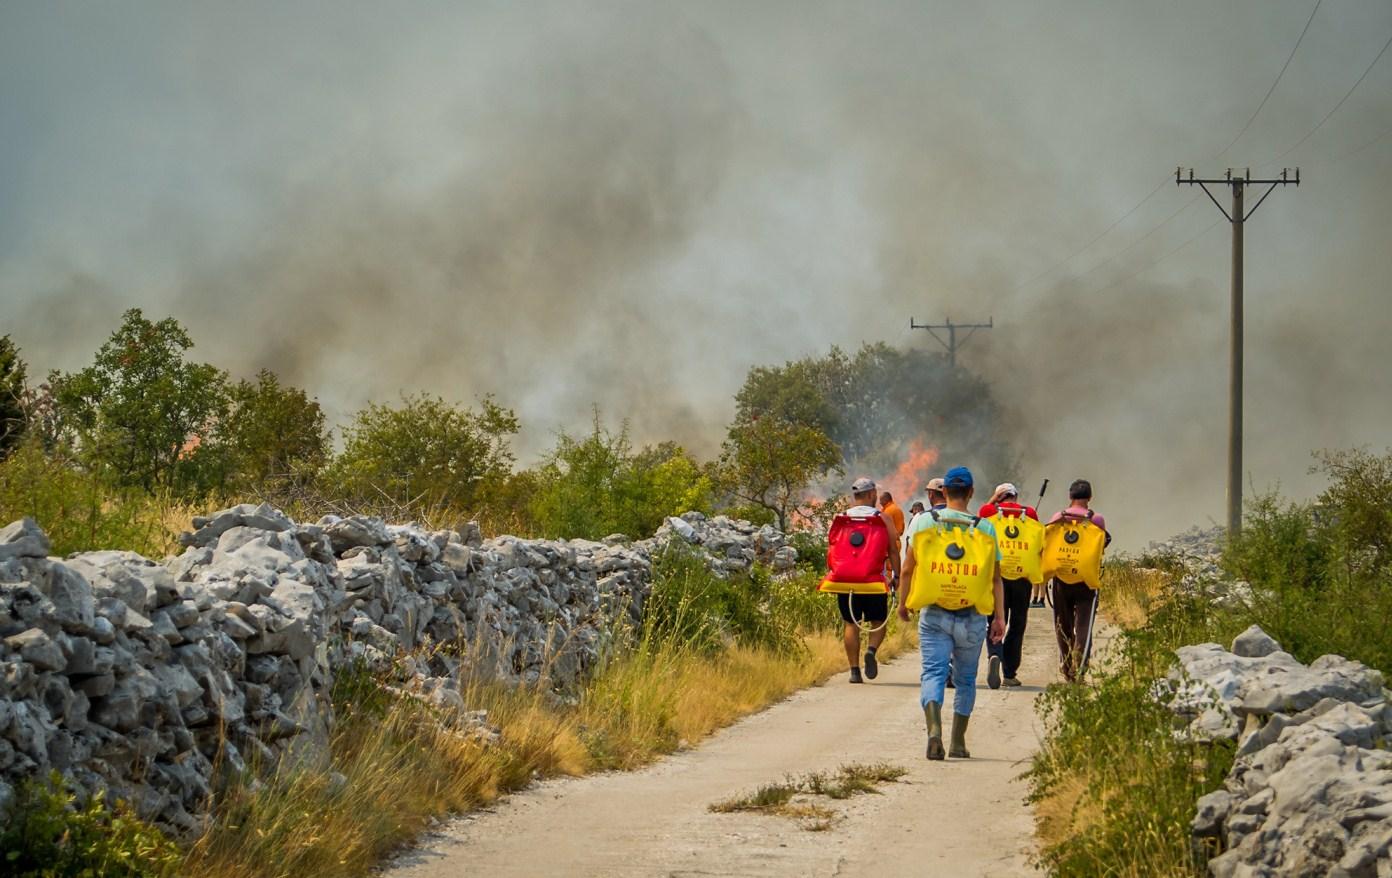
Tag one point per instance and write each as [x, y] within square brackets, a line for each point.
[1235, 334]
[1236, 218]
[952, 344]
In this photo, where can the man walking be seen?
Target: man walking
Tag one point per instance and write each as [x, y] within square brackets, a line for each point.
[860, 608]
[1073, 558]
[892, 511]
[936, 498]
[1005, 511]
[953, 624]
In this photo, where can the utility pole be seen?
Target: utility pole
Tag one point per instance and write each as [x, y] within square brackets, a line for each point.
[952, 343]
[1236, 217]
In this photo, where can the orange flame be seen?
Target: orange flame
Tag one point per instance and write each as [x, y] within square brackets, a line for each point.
[191, 445]
[912, 474]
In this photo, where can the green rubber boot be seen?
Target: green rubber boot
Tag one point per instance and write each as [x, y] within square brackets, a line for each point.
[933, 714]
[959, 737]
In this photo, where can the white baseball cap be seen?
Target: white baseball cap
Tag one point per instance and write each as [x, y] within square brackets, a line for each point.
[862, 484]
[1007, 489]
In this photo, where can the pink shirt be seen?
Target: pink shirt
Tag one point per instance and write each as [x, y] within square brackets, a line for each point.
[1079, 513]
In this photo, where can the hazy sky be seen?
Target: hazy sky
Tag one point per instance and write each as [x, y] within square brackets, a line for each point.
[629, 204]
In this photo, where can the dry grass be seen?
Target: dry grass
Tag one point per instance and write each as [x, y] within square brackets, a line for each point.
[1063, 813]
[1131, 594]
[404, 764]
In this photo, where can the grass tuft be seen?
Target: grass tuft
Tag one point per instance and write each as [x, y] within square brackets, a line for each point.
[780, 799]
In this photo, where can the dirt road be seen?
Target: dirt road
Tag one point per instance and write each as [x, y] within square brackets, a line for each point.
[953, 818]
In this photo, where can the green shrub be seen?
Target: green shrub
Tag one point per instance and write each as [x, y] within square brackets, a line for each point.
[424, 453]
[795, 600]
[1321, 574]
[597, 485]
[811, 548]
[691, 605]
[49, 834]
[78, 511]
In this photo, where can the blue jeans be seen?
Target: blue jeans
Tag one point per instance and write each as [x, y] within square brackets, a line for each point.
[944, 635]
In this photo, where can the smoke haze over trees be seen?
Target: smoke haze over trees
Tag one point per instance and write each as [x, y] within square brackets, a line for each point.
[631, 205]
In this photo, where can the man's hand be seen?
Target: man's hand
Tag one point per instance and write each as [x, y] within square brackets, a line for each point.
[903, 613]
[997, 629]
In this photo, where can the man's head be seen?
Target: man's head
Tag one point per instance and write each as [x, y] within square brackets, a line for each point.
[1005, 491]
[1080, 492]
[886, 498]
[916, 508]
[863, 490]
[935, 492]
[957, 486]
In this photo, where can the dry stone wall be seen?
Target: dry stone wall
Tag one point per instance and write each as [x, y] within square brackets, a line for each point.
[1310, 792]
[131, 675]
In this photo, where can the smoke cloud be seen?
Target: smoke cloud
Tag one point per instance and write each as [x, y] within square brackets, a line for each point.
[629, 204]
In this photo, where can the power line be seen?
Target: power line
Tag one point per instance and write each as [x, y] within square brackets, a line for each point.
[1129, 247]
[1070, 257]
[1267, 96]
[1147, 267]
[1379, 138]
[1366, 71]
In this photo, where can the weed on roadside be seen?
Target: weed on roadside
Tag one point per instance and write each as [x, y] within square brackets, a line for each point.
[781, 799]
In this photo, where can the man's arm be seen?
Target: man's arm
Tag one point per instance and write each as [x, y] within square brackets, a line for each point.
[893, 546]
[997, 631]
[997, 627]
[906, 577]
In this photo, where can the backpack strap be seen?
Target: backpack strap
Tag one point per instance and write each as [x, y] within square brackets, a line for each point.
[975, 520]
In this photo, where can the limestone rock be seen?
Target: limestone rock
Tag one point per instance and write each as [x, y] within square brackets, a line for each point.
[23, 539]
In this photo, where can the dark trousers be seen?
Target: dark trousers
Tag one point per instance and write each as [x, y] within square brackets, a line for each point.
[1075, 609]
[1017, 598]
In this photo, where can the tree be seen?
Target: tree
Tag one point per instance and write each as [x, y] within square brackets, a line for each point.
[424, 452]
[873, 405]
[138, 415]
[272, 435]
[12, 394]
[771, 463]
[597, 485]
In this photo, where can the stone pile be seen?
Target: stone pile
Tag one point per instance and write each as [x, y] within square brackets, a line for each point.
[731, 545]
[1199, 552]
[1199, 549]
[1310, 792]
[134, 676]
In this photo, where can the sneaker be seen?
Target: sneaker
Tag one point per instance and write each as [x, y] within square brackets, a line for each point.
[872, 666]
[855, 676]
[993, 673]
[1011, 681]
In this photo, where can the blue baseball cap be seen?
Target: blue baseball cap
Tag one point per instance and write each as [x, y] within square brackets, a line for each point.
[958, 477]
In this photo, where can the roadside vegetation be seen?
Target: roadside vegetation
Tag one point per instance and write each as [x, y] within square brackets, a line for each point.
[1113, 786]
[710, 651]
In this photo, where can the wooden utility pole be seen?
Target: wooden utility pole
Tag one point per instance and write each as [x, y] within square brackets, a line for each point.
[952, 343]
[1236, 218]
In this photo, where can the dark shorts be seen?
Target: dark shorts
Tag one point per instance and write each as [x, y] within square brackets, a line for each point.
[868, 607]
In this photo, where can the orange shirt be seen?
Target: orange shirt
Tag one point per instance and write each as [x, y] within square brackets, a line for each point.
[896, 515]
